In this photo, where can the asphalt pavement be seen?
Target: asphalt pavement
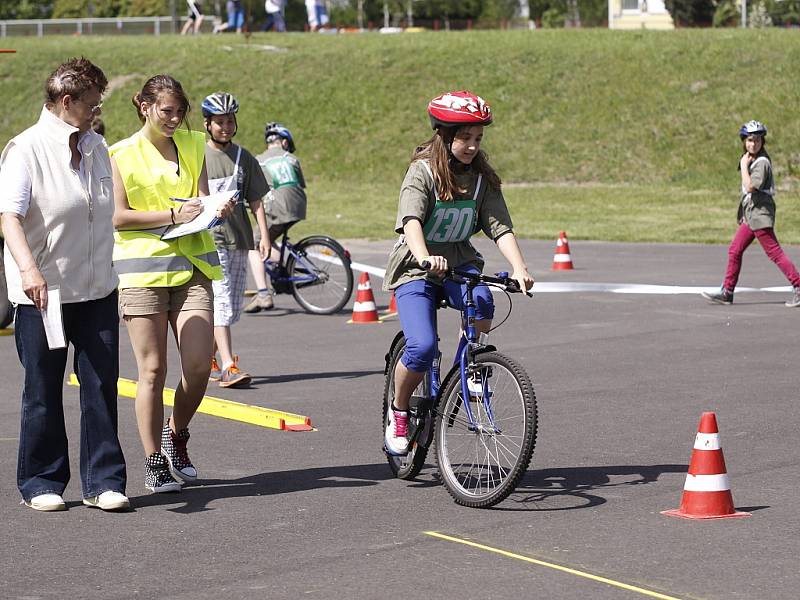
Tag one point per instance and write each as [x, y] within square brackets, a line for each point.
[621, 381]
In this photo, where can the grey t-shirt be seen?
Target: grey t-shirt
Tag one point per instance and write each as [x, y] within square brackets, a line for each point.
[236, 233]
[417, 201]
[287, 199]
[757, 208]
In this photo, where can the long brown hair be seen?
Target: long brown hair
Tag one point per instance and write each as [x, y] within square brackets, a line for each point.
[437, 152]
[153, 87]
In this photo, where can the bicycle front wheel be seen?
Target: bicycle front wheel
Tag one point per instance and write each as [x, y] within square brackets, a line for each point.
[322, 280]
[482, 462]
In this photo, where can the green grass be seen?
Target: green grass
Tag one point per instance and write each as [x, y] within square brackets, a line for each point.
[607, 135]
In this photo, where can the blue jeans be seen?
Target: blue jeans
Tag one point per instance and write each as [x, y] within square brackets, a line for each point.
[416, 305]
[43, 463]
[275, 22]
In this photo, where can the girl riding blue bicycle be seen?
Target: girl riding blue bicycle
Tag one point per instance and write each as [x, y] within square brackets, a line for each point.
[450, 192]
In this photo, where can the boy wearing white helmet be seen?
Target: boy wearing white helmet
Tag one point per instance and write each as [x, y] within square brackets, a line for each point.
[231, 167]
[756, 216]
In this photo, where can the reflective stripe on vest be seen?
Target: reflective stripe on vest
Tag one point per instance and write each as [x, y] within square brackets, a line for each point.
[152, 264]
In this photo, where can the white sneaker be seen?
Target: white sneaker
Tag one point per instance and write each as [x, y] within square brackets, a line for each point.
[395, 439]
[108, 501]
[475, 388]
[46, 503]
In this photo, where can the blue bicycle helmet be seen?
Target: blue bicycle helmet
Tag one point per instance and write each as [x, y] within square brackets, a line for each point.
[219, 103]
[753, 128]
[274, 131]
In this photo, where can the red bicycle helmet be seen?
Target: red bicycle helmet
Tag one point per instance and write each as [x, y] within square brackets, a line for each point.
[456, 109]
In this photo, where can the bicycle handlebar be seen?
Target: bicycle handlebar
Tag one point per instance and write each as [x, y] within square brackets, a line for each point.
[502, 279]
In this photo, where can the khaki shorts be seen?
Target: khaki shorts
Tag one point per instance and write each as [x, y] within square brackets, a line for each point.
[195, 294]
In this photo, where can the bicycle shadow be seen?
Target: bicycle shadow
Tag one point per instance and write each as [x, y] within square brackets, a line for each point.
[571, 488]
[196, 498]
[291, 377]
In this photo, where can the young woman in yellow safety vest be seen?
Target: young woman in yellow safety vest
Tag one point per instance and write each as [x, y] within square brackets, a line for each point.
[164, 283]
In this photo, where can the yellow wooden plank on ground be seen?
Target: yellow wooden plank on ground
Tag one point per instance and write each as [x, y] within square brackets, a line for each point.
[226, 409]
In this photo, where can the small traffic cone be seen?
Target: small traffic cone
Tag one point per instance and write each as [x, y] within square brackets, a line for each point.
[364, 310]
[562, 261]
[707, 492]
[392, 310]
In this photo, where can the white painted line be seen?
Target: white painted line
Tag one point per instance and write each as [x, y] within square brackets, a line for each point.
[362, 268]
[550, 287]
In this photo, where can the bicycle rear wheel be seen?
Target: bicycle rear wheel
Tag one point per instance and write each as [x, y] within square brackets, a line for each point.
[482, 464]
[408, 466]
[322, 280]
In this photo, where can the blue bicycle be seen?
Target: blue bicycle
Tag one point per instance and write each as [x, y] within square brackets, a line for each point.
[316, 271]
[484, 444]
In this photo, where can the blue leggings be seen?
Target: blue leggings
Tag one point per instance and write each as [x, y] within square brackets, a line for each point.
[416, 304]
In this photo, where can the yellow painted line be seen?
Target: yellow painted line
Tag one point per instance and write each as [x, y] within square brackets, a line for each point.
[226, 409]
[541, 563]
[6, 332]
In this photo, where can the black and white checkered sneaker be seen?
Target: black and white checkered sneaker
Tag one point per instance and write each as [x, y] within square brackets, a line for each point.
[173, 447]
[157, 477]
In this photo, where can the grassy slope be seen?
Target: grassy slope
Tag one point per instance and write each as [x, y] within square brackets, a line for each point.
[611, 135]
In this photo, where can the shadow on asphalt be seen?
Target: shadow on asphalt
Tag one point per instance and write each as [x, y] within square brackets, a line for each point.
[305, 376]
[580, 487]
[196, 498]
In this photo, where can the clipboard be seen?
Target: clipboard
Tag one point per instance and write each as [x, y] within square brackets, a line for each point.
[205, 220]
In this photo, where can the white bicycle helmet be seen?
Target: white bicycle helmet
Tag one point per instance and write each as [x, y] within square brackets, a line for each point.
[753, 128]
[219, 103]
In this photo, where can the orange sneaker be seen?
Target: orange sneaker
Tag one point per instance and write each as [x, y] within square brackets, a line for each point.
[233, 377]
[216, 372]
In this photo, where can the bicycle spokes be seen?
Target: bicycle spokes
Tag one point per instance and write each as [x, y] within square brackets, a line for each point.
[482, 451]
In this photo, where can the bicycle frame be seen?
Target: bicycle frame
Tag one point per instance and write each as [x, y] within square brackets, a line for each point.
[468, 346]
[277, 269]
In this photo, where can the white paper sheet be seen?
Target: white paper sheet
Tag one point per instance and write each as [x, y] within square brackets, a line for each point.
[205, 220]
[53, 322]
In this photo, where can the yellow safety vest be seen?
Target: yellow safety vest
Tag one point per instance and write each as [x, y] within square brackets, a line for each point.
[141, 257]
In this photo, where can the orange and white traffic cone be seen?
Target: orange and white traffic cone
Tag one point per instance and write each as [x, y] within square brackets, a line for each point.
[562, 261]
[392, 310]
[364, 310]
[707, 492]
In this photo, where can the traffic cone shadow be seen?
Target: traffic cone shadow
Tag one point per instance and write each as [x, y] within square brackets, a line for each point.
[707, 491]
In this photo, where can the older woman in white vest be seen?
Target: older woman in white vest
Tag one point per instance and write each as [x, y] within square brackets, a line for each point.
[57, 203]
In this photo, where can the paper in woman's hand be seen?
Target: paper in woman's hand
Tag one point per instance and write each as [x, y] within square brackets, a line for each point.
[205, 220]
[53, 321]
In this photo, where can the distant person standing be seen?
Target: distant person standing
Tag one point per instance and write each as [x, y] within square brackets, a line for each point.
[317, 14]
[57, 203]
[235, 12]
[756, 216]
[275, 19]
[195, 18]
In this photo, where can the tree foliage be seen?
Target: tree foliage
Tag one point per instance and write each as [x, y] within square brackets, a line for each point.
[691, 13]
[25, 9]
